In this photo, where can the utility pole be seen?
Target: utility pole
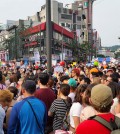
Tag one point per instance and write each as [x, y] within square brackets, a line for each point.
[48, 35]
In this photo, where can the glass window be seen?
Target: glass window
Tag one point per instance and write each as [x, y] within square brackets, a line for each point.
[64, 16]
[78, 18]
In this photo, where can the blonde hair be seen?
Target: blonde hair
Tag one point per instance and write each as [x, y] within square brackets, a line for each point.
[5, 96]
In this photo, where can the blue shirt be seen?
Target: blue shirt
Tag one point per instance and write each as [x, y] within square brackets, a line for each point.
[22, 119]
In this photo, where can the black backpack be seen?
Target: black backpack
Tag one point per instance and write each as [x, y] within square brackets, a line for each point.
[113, 125]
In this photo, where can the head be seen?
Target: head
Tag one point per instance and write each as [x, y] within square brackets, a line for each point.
[80, 93]
[72, 83]
[43, 78]
[50, 82]
[64, 79]
[75, 72]
[101, 98]
[13, 78]
[28, 88]
[87, 94]
[64, 90]
[5, 98]
[13, 90]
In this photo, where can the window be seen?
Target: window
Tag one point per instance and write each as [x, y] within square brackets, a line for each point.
[83, 26]
[67, 25]
[59, 9]
[78, 18]
[78, 26]
[64, 16]
[64, 10]
[63, 24]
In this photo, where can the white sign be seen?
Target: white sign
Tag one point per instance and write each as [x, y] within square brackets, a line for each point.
[58, 69]
[37, 57]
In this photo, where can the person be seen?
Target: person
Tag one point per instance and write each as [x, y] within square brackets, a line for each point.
[87, 110]
[73, 85]
[101, 100]
[29, 115]
[14, 91]
[2, 86]
[5, 100]
[60, 106]
[46, 95]
[76, 108]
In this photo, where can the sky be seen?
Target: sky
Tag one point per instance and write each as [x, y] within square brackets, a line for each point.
[106, 18]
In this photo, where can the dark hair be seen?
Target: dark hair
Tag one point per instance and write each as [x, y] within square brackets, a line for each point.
[65, 77]
[114, 88]
[114, 77]
[87, 80]
[13, 90]
[81, 77]
[50, 82]
[29, 86]
[88, 93]
[80, 89]
[65, 89]
[13, 78]
[43, 77]
[1, 77]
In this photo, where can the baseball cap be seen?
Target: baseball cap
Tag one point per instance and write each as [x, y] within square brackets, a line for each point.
[95, 70]
[101, 95]
[72, 82]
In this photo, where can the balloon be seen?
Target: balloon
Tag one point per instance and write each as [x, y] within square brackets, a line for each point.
[96, 63]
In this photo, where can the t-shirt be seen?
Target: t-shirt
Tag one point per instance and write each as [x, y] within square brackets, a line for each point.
[94, 127]
[87, 112]
[72, 96]
[75, 110]
[47, 96]
[115, 102]
[59, 109]
[2, 116]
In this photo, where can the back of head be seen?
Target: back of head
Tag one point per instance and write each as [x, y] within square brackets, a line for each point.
[65, 89]
[29, 86]
[101, 98]
[43, 77]
[13, 90]
[6, 96]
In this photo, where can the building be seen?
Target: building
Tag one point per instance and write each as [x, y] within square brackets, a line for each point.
[35, 38]
[72, 17]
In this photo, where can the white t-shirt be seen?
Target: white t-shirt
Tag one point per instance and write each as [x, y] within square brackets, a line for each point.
[75, 110]
[115, 102]
[87, 112]
[72, 96]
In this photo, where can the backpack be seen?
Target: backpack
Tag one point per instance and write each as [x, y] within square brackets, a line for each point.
[66, 120]
[113, 125]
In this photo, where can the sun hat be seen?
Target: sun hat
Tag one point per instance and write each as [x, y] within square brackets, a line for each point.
[101, 95]
[72, 82]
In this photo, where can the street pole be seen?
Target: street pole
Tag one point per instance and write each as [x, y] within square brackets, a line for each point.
[62, 45]
[40, 44]
[16, 41]
[48, 35]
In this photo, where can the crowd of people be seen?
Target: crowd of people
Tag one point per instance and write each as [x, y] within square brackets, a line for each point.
[73, 101]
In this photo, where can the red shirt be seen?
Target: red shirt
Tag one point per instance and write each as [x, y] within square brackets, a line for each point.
[47, 96]
[94, 127]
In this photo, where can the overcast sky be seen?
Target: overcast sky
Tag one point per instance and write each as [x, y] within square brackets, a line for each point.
[106, 15]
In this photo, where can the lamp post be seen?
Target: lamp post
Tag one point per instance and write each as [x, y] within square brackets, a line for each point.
[48, 35]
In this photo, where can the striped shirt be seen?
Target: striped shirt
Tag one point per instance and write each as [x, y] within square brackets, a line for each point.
[59, 109]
